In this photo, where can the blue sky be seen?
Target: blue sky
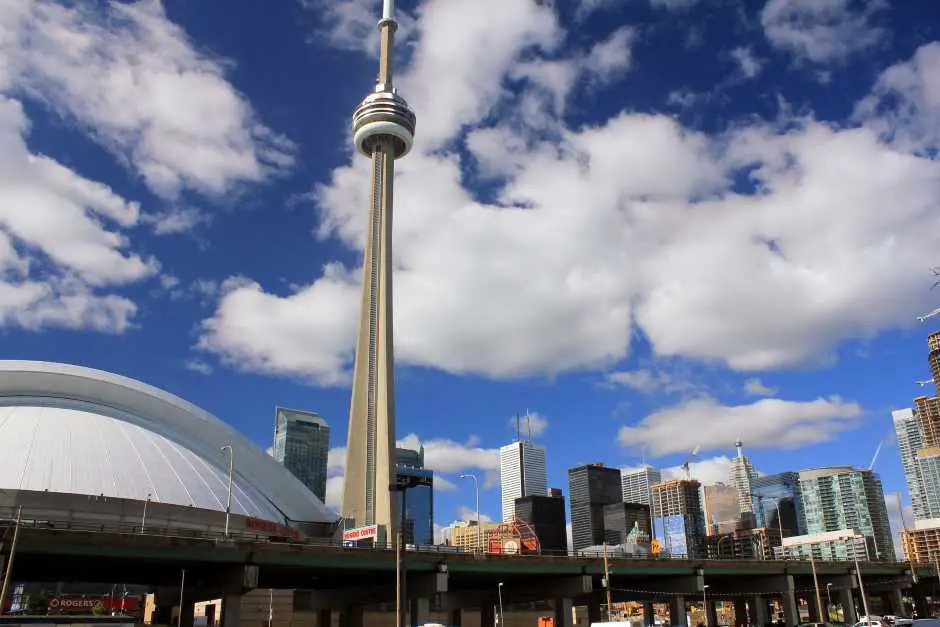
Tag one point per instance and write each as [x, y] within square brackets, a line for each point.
[654, 224]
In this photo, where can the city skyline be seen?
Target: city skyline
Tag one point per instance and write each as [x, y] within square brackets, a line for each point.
[661, 228]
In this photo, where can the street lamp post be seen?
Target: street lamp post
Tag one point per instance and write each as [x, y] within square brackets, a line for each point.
[829, 598]
[499, 592]
[476, 491]
[8, 575]
[143, 517]
[231, 473]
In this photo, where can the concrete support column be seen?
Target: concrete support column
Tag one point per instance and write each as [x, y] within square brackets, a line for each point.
[162, 615]
[187, 613]
[896, 602]
[740, 612]
[488, 616]
[351, 617]
[677, 611]
[848, 606]
[759, 611]
[456, 617]
[920, 602]
[563, 613]
[712, 613]
[420, 611]
[649, 614]
[231, 610]
[594, 612]
[325, 618]
[791, 613]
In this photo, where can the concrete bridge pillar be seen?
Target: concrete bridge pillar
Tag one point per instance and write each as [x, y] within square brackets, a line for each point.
[894, 601]
[563, 613]
[187, 614]
[351, 616]
[456, 617]
[813, 610]
[920, 601]
[848, 605]
[677, 611]
[325, 618]
[759, 611]
[231, 610]
[712, 609]
[420, 611]
[649, 614]
[791, 613]
[740, 612]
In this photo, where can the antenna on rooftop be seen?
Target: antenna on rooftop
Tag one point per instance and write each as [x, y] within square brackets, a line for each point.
[528, 424]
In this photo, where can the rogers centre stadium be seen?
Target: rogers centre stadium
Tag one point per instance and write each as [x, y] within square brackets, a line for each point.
[80, 446]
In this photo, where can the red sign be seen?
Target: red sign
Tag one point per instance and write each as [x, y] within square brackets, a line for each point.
[272, 528]
[360, 533]
[86, 604]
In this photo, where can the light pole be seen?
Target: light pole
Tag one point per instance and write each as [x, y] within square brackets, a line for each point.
[476, 491]
[861, 585]
[231, 472]
[8, 575]
[499, 592]
[829, 606]
[705, 602]
[143, 517]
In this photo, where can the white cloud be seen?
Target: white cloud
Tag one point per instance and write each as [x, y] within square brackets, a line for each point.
[197, 365]
[129, 75]
[765, 423]
[674, 5]
[334, 492]
[447, 456]
[904, 106]
[650, 380]
[336, 460]
[749, 65]
[822, 31]
[176, 220]
[707, 471]
[444, 485]
[467, 514]
[592, 232]
[755, 387]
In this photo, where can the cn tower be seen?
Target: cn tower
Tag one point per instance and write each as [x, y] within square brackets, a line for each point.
[383, 128]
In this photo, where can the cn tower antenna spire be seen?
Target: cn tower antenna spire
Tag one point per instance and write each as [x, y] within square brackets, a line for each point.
[383, 127]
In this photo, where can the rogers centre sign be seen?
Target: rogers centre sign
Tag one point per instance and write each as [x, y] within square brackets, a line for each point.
[79, 604]
[360, 533]
[271, 528]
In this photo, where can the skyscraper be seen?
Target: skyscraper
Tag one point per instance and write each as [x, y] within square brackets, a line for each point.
[590, 488]
[721, 508]
[636, 483]
[418, 500]
[742, 476]
[302, 445]
[521, 473]
[910, 441]
[678, 519]
[383, 129]
[546, 515]
[842, 498]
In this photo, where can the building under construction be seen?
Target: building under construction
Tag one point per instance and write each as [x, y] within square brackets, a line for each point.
[678, 519]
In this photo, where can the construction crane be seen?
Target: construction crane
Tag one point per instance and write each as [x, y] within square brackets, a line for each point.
[875, 456]
[688, 460]
[927, 316]
[924, 383]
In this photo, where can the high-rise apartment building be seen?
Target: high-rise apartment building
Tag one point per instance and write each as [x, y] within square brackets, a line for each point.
[678, 520]
[590, 488]
[466, 536]
[842, 498]
[636, 483]
[778, 496]
[302, 445]
[521, 473]
[546, 515]
[742, 476]
[418, 500]
[910, 441]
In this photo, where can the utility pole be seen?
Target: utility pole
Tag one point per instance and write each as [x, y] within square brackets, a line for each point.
[812, 561]
[9, 572]
[607, 583]
[910, 558]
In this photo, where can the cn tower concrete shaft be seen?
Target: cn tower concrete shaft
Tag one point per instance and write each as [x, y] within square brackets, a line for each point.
[383, 130]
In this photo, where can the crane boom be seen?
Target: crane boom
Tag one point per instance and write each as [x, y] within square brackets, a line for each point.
[875, 457]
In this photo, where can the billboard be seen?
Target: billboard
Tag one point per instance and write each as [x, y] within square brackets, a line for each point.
[671, 533]
[361, 533]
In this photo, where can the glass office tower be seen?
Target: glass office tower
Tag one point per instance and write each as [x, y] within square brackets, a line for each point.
[418, 524]
[302, 445]
[780, 492]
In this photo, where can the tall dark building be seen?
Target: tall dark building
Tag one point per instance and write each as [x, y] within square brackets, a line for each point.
[620, 519]
[418, 524]
[302, 444]
[590, 488]
[546, 515]
[779, 493]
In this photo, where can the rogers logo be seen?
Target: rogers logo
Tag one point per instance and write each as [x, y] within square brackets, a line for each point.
[72, 604]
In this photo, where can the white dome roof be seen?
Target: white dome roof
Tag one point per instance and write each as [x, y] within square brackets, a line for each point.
[81, 431]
